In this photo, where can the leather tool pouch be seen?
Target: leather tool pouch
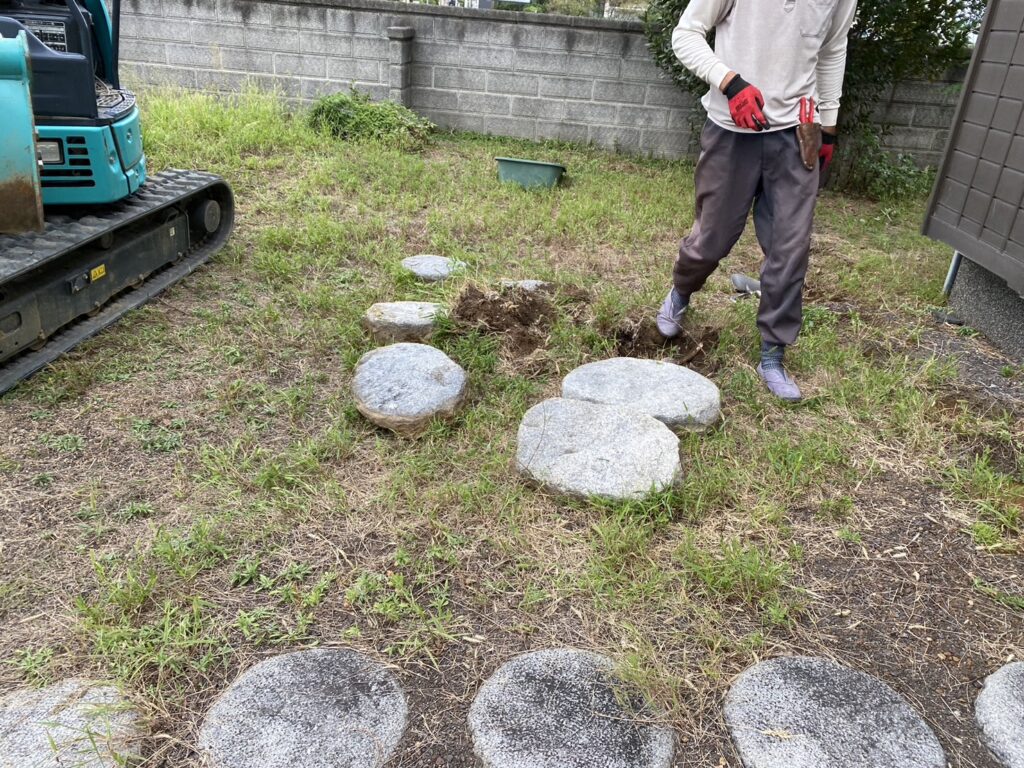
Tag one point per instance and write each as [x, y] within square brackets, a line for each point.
[809, 138]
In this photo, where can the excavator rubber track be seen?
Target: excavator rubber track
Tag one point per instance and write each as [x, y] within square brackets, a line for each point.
[84, 271]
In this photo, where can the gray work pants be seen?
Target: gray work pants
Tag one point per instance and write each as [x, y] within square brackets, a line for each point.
[735, 170]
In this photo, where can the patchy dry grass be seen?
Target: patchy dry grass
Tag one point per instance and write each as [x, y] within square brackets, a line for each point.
[194, 490]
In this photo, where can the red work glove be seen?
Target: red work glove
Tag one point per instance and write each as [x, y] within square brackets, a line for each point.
[828, 147]
[746, 103]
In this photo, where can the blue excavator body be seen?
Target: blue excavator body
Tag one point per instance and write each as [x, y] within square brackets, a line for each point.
[83, 236]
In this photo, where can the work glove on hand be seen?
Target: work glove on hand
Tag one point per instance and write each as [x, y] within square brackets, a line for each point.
[746, 103]
[828, 147]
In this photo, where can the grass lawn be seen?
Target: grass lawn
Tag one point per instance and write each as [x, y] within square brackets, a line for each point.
[194, 490]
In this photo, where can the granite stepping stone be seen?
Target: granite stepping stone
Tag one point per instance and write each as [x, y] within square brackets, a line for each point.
[803, 712]
[71, 723]
[674, 395]
[587, 449]
[402, 387]
[393, 321]
[999, 711]
[564, 708]
[433, 269]
[322, 708]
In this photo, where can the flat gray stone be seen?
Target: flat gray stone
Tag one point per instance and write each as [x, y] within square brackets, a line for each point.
[803, 712]
[587, 449]
[432, 269]
[526, 285]
[393, 321]
[71, 723]
[999, 711]
[674, 395]
[560, 708]
[402, 387]
[323, 708]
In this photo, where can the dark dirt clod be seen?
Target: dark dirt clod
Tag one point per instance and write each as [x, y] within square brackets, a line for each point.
[638, 336]
[523, 318]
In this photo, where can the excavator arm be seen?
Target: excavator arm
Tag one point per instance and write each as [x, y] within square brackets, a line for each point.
[21, 202]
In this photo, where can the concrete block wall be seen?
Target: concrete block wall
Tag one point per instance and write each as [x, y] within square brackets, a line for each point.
[532, 76]
[920, 114]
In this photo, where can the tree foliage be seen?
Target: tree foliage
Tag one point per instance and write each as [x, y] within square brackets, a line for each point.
[890, 42]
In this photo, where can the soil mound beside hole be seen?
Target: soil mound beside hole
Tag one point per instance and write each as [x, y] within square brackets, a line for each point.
[637, 336]
[522, 317]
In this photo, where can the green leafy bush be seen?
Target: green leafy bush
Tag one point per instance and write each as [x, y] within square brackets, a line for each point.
[889, 43]
[354, 116]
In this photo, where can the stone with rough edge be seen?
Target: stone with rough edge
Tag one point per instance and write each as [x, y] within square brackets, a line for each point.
[803, 712]
[324, 708]
[70, 723]
[393, 321]
[402, 387]
[565, 708]
[999, 711]
[526, 285]
[674, 395]
[588, 449]
[432, 269]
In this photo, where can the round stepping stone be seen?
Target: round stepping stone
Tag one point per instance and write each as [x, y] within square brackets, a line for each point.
[432, 269]
[587, 449]
[999, 711]
[562, 708]
[316, 709]
[71, 723]
[403, 386]
[674, 395]
[526, 285]
[803, 712]
[393, 321]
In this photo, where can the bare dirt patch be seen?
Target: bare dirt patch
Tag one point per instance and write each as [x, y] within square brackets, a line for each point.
[522, 318]
[638, 336]
[901, 604]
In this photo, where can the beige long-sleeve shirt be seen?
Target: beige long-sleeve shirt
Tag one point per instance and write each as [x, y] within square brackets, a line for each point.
[787, 48]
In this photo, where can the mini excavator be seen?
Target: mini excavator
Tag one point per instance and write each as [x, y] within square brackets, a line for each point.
[85, 236]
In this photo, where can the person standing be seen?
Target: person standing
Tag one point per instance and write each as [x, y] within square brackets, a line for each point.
[771, 57]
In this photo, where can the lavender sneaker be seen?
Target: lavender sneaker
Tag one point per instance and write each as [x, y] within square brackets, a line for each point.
[780, 383]
[670, 316]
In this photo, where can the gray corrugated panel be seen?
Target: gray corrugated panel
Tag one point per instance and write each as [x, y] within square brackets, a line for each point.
[1007, 14]
[986, 177]
[1007, 116]
[1011, 186]
[997, 145]
[1001, 46]
[980, 108]
[1015, 79]
[976, 206]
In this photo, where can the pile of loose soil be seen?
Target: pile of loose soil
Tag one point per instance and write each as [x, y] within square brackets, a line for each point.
[638, 336]
[523, 318]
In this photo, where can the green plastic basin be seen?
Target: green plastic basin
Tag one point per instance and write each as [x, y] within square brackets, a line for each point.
[529, 173]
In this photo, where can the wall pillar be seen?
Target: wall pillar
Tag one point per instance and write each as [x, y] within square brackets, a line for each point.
[400, 69]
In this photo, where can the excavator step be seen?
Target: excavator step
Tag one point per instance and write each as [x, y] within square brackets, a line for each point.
[83, 272]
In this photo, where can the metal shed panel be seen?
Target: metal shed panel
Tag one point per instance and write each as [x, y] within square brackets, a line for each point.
[976, 205]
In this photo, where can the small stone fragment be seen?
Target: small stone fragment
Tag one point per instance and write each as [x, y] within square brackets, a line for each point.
[674, 395]
[526, 285]
[432, 269]
[322, 708]
[70, 723]
[564, 708]
[588, 449]
[393, 321]
[999, 711]
[803, 712]
[404, 386]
